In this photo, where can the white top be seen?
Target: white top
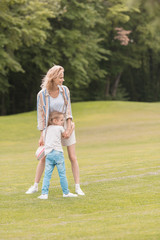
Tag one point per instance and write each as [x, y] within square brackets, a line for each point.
[57, 104]
[53, 138]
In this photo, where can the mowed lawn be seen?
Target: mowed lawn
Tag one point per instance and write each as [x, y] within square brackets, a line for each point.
[118, 149]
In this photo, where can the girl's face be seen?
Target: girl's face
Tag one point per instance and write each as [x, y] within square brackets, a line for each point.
[59, 121]
[60, 79]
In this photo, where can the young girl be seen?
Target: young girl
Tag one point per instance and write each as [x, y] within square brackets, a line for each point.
[54, 154]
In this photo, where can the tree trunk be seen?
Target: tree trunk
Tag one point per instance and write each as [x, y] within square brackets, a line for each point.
[152, 85]
[150, 65]
[114, 91]
[3, 108]
[107, 88]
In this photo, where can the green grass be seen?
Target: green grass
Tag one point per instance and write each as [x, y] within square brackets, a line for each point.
[118, 149]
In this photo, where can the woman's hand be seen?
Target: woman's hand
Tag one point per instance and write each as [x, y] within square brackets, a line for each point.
[41, 142]
[69, 131]
[72, 126]
[67, 134]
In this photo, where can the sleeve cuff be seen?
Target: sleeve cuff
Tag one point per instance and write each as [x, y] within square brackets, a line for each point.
[69, 116]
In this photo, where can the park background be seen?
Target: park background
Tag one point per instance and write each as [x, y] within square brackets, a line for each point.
[110, 52]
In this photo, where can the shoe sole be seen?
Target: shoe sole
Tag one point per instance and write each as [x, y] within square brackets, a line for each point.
[31, 192]
[80, 194]
[43, 198]
[69, 196]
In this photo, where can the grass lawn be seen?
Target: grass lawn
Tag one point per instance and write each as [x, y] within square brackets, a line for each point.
[118, 149]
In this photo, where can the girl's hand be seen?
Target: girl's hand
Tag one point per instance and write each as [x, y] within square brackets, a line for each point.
[41, 142]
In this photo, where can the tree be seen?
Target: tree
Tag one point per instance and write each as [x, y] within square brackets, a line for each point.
[145, 24]
[140, 21]
[22, 22]
[78, 45]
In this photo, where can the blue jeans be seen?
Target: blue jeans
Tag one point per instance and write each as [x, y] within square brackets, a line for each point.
[55, 158]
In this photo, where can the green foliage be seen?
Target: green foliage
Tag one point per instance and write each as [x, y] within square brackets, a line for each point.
[121, 95]
[143, 22]
[79, 44]
[21, 23]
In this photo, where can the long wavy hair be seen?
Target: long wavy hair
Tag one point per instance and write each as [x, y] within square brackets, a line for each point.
[52, 74]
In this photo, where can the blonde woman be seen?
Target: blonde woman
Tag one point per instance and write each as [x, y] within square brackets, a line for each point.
[56, 97]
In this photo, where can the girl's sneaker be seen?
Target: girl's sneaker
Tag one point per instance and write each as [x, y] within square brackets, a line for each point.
[43, 196]
[70, 195]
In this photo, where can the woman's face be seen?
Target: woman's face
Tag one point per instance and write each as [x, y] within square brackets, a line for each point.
[60, 79]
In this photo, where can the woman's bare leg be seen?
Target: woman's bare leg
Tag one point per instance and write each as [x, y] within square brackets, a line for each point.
[74, 163]
[75, 168]
[39, 170]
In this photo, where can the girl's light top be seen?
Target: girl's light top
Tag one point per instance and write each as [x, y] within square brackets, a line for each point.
[53, 138]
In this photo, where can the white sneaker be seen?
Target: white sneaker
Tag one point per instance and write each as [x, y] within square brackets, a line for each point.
[43, 196]
[70, 195]
[32, 189]
[79, 191]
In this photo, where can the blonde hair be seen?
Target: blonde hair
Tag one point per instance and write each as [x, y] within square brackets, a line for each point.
[54, 115]
[52, 74]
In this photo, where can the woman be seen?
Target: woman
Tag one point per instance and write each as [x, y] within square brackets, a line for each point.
[55, 97]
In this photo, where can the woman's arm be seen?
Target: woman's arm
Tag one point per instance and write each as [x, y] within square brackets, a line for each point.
[69, 124]
[68, 107]
[68, 113]
[41, 139]
[68, 132]
[40, 113]
[69, 129]
[40, 119]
